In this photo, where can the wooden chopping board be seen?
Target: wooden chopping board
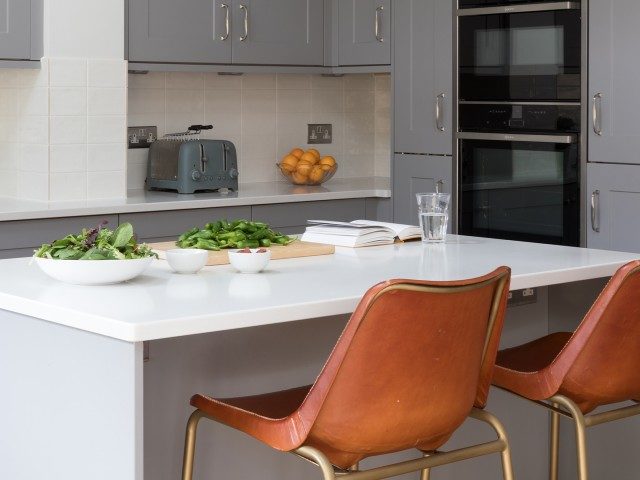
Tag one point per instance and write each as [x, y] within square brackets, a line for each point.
[293, 250]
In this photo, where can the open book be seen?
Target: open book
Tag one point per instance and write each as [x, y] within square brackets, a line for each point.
[359, 233]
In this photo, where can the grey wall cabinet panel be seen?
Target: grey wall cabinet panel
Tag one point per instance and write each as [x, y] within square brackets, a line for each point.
[613, 81]
[364, 32]
[158, 226]
[29, 234]
[418, 174]
[278, 32]
[423, 83]
[296, 214]
[380, 209]
[15, 28]
[188, 31]
[613, 216]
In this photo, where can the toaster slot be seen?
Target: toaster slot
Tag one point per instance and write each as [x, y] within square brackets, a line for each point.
[224, 158]
[203, 159]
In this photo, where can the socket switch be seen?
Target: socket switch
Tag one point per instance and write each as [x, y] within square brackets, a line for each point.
[141, 137]
[319, 133]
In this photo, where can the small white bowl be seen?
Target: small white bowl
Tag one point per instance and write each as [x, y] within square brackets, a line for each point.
[253, 262]
[187, 260]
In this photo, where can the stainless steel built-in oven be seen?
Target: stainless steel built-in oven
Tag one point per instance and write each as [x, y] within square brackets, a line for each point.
[517, 51]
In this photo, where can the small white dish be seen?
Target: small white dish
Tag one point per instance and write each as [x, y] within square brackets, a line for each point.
[187, 260]
[253, 262]
[93, 272]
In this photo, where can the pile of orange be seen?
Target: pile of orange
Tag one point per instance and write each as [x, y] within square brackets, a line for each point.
[307, 168]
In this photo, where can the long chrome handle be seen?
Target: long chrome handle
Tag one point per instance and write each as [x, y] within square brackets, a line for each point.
[526, 8]
[439, 108]
[439, 186]
[595, 211]
[226, 21]
[505, 137]
[596, 113]
[377, 27]
[246, 23]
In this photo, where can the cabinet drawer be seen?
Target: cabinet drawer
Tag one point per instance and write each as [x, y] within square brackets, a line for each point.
[296, 214]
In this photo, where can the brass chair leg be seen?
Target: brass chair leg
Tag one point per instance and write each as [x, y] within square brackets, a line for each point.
[486, 417]
[581, 440]
[190, 445]
[426, 473]
[554, 444]
[320, 459]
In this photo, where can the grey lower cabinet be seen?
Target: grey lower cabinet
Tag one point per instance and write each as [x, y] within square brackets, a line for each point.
[418, 174]
[614, 136]
[364, 32]
[274, 32]
[21, 32]
[422, 69]
[613, 210]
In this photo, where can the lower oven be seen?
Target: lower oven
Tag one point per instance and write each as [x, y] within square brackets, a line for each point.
[519, 187]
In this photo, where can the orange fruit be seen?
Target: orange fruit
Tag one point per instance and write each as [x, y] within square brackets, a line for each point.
[304, 168]
[289, 162]
[309, 157]
[296, 152]
[328, 160]
[326, 168]
[317, 174]
[315, 152]
[298, 178]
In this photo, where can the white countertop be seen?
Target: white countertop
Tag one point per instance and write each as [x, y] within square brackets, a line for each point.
[248, 194]
[161, 304]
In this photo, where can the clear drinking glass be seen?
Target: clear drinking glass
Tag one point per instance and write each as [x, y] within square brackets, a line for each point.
[433, 210]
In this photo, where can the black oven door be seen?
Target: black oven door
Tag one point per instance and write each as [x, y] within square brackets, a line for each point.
[520, 187]
[526, 56]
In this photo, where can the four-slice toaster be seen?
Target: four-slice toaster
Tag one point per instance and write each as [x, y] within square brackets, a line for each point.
[186, 164]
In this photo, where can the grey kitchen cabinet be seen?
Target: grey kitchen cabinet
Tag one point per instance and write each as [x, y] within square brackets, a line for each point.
[614, 136]
[423, 83]
[278, 32]
[21, 32]
[21, 237]
[190, 31]
[613, 210]
[364, 32]
[418, 174]
[167, 225]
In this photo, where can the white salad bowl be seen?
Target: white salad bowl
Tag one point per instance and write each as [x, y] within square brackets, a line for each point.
[187, 260]
[93, 272]
[253, 262]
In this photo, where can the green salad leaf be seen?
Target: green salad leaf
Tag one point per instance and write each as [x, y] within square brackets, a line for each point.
[237, 234]
[98, 243]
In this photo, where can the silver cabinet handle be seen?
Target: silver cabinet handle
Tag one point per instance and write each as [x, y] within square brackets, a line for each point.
[439, 109]
[439, 186]
[377, 27]
[596, 112]
[246, 23]
[226, 21]
[595, 211]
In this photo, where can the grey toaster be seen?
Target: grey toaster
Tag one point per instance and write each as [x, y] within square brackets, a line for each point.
[185, 164]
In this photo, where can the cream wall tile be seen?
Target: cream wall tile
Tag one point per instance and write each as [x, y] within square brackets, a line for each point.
[68, 158]
[258, 102]
[185, 80]
[106, 184]
[383, 82]
[34, 101]
[185, 101]
[293, 81]
[106, 101]
[146, 101]
[106, 73]
[136, 175]
[223, 124]
[213, 81]
[365, 81]
[67, 72]
[9, 129]
[359, 101]
[138, 155]
[107, 129]
[9, 101]
[147, 80]
[8, 183]
[68, 101]
[258, 170]
[36, 77]
[259, 82]
[33, 186]
[107, 157]
[327, 101]
[179, 122]
[259, 124]
[327, 82]
[223, 101]
[34, 158]
[259, 146]
[9, 153]
[293, 101]
[68, 186]
[9, 78]
[148, 119]
[34, 129]
[68, 130]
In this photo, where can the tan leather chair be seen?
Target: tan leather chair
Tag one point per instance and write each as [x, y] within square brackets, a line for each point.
[573, 373]
[414, 361]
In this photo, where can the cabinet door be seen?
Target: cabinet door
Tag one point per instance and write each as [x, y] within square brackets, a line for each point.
[278, 32]
[15, 29]
[422, 68]
[613, 73]
[418, 174]
[364, 32]
[613, 210]
[189, 31]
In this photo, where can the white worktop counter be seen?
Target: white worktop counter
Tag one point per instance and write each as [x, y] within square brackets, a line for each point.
[161, 304]
[248, 194]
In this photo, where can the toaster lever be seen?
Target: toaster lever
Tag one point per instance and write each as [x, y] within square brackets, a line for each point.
[203, 159]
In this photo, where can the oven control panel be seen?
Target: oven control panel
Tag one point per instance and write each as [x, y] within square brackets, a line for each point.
[529, 118]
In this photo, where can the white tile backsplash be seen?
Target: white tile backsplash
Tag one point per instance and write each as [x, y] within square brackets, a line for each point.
[34, 158]
[106, 73]
[68, 186]
[68, 129]
[68, 101]
[107, 129]
[106, 101]
[67, 72]
[106, 157]
[68, 158]
[106, 185]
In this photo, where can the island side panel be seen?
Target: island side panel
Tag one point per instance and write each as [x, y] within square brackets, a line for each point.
[71, 403]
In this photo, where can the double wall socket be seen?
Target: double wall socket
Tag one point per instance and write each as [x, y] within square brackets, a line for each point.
[141, 137]
[319, 133]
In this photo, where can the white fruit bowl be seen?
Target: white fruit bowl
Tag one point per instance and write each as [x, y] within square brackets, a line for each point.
[93, 272]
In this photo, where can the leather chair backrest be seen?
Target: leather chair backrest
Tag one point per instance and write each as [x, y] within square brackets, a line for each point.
[411, 363]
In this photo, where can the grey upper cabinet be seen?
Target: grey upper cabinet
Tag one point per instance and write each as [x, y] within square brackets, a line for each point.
[423, 76]
[189, 31]
[418, 174]
[364, 32]
[278, 32]
[613, 211]
[613, 88]
[20, 29]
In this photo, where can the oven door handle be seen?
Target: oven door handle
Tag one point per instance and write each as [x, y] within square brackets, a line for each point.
[504, 137]
[531, 7]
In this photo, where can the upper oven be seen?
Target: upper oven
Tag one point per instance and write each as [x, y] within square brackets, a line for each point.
[516, 51]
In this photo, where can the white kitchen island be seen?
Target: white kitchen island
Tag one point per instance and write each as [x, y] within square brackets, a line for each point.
[79, 400]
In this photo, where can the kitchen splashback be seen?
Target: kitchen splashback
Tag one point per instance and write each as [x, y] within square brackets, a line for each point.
[265, 116]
